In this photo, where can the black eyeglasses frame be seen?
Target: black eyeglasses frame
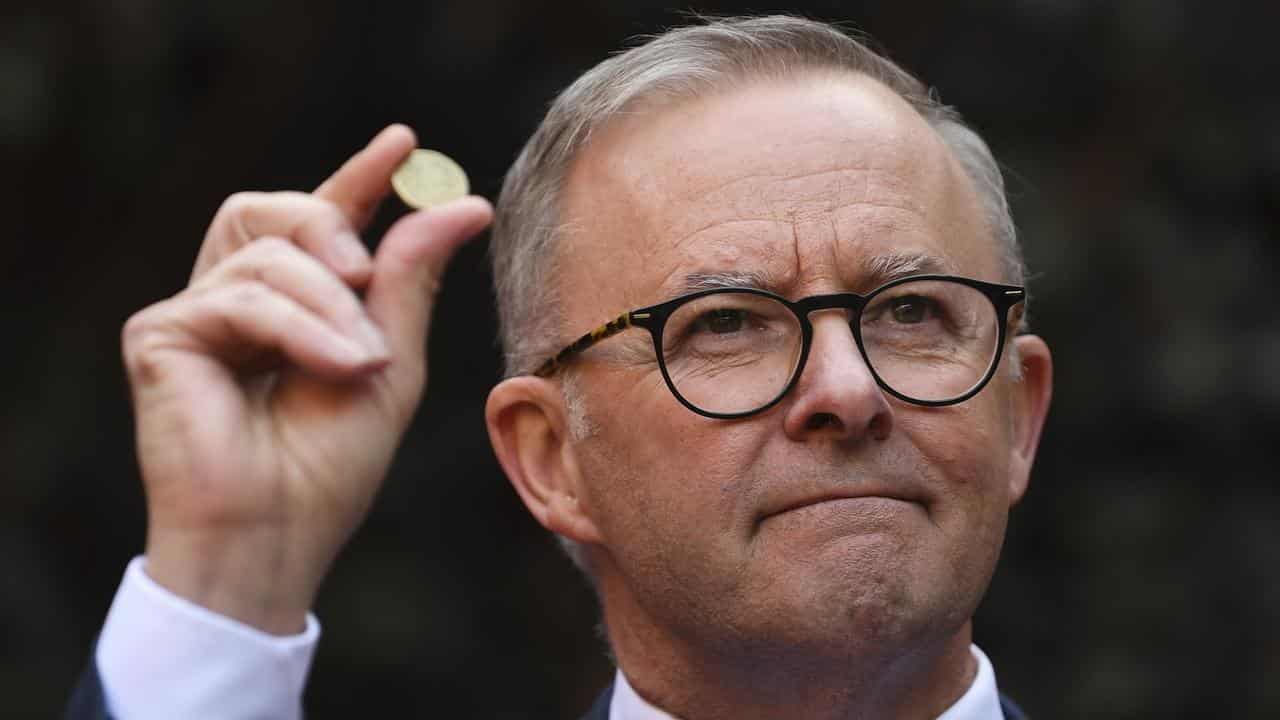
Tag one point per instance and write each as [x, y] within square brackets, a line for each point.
[654, 319]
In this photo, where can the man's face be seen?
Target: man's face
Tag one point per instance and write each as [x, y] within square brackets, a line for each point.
[841, 514]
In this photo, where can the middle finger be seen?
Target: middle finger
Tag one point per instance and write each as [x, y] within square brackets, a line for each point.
[315, 225]
[289, 270]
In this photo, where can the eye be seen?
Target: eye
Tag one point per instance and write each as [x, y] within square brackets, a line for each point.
[721, 321]
[910, 309]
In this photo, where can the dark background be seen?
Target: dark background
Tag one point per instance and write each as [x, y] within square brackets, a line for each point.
[1140, 576]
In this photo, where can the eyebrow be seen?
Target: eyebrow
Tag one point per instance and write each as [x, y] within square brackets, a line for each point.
[875, 270]
[881, 269]
[733, 279]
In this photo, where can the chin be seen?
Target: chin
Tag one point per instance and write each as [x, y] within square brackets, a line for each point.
[845, 611]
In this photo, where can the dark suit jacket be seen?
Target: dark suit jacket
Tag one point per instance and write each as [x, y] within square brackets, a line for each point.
[600, 709]
[88, 703]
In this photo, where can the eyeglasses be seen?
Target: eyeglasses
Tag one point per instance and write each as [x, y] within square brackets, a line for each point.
[930, 340]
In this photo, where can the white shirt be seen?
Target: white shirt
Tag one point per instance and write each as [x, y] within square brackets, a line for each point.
[980, 702]
[161, 656]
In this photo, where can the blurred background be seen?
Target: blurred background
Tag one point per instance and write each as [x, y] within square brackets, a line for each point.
[1140, 577]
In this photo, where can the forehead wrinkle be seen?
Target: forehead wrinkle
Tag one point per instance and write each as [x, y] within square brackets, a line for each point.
[680, 242]
[778, 261]
[939, 230]
[784, 197]
[754, 237]
[660, 193]
[725, 186]
[711, 259]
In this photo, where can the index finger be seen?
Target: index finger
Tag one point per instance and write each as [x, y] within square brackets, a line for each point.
[360, 184]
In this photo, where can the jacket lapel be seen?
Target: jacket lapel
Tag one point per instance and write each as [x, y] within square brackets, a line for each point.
[600, 708]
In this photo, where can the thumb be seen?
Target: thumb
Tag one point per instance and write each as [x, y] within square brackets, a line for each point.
[407, 268]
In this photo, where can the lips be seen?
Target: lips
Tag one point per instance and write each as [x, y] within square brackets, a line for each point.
[807, 502]
[799, 501]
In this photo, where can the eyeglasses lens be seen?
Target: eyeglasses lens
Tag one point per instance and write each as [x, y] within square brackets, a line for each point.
[735, 352]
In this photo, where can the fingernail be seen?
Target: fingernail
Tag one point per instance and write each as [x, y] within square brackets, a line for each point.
[350, 253]
[373, 339]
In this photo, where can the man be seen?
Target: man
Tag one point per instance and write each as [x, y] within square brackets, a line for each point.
[784, 451]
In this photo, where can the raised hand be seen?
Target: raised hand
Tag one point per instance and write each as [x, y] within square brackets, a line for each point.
[270, 398]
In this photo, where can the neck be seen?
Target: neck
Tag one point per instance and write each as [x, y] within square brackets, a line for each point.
[693, 679]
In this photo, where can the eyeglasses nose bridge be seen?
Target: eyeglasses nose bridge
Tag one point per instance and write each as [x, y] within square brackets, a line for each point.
[836, 301]
[852, 357]
[852, 303]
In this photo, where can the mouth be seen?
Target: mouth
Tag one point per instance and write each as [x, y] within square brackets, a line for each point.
[809, 502]
[834, 500]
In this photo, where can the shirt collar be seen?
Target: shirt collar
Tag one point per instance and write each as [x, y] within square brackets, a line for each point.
[980, 702]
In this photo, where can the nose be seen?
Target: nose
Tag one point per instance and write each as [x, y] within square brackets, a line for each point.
[837, 396]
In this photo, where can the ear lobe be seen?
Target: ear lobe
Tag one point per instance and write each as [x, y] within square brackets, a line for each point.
[528, 428]
[1029, 404]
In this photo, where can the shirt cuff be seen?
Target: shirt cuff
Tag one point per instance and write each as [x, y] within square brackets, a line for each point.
[161, 656]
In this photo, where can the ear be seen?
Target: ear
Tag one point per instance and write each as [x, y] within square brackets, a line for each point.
[529, 431]
[1029, 403]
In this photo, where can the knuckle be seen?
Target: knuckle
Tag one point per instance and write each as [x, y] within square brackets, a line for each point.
[324, 213]
[250, 208]
[239, 203]
[259, 260]
[134, 330]
[140, 341]
[247, 295]
[317, 231]
[300, 207]
[273, 248]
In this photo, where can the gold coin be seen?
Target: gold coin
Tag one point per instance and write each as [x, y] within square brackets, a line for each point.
[428, 178]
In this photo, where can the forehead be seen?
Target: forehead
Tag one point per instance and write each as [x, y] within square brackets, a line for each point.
[806, 181]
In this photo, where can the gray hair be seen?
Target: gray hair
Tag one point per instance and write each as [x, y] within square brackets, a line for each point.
[686, 63]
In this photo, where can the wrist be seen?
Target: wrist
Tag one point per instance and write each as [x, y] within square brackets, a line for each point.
[258, 582]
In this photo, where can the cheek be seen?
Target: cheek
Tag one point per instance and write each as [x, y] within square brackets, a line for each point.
[965, 449]
[661, 476]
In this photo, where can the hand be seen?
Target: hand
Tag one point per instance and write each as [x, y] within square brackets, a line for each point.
[270, 399]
